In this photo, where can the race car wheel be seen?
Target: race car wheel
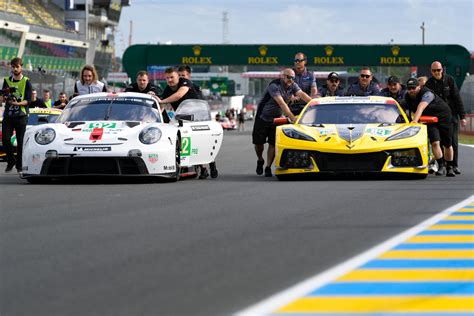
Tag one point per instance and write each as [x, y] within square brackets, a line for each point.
[177, 160]
[38, 180]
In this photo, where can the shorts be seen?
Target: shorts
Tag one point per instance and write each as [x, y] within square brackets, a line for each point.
[263, 132]
[441, 132]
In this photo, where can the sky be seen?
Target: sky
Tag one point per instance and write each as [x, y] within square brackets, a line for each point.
[297, 22]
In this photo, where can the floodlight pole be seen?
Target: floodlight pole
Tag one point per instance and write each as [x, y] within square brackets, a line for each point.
[422, 27]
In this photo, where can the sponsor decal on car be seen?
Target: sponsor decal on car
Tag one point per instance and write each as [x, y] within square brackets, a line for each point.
[153, 158]
[200, 128]
[36, 158]
[171, 168]
[324, 132]
[80, 148]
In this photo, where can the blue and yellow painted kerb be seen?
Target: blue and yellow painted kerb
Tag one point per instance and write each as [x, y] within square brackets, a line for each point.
[431, 273]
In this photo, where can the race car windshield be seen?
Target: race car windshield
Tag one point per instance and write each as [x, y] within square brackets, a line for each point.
[119, 109]
[350, 113]
[37, 119]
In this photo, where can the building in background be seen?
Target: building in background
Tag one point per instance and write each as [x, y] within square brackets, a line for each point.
[56, 38]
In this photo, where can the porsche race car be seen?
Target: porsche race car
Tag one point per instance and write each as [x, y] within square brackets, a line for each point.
[351, 135]
[122, 134]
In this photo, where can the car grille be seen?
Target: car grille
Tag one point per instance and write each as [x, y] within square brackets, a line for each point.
[94, 166]
[352, 162]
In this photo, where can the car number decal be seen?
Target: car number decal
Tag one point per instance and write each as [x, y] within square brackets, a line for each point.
[103, 125]
[378, 131]
[186, 146]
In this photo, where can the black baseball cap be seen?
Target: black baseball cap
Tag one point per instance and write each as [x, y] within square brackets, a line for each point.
[393, 79]
[412, 82]
[333, 75]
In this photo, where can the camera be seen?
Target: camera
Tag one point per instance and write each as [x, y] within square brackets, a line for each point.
[8, 93]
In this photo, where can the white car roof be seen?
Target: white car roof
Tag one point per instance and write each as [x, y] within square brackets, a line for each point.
[115, 95]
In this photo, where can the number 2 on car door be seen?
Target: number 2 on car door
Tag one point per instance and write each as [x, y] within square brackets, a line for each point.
[186, 146]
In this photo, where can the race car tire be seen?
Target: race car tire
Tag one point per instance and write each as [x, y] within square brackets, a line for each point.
[177, 154]
[38, 180]
[418, 176]
[285, 177]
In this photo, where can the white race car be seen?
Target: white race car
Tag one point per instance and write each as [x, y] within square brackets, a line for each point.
[122, 134]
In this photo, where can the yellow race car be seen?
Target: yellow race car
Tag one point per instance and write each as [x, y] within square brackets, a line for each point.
[351, 135]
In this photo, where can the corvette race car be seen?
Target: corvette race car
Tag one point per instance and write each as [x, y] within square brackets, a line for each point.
[351, 135]
[36, 116]
[121, 134]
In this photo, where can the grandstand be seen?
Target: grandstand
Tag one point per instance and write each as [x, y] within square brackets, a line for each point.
[56, 38]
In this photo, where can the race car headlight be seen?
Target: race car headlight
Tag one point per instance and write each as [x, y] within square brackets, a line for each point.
[409, 132]
[292, 133]
[150, 135]
[45, 136]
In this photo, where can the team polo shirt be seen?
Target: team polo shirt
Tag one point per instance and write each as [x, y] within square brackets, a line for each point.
[305, 80]
[271, 109]
[191, 94]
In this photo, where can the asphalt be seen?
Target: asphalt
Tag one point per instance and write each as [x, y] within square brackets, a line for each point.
[196, 247]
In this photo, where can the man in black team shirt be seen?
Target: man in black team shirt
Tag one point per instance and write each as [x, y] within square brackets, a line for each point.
[422, 101]
[177, 90]
[143, 85]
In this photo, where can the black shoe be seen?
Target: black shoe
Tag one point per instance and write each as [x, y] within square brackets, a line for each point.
[204, 174]
[450, 172]
[441, 171]
[268, 172]
[259, 169]
[456, 170]
[214, 172]
[9, 167]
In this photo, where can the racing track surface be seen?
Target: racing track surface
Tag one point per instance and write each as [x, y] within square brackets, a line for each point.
[196, 247]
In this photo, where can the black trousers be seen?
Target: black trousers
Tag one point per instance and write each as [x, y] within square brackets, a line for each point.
[455, 138]
[17, 124]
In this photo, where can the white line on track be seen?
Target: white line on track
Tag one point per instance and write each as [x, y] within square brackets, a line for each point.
[283, 298]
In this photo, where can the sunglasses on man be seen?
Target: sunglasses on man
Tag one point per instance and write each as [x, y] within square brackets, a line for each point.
[298, 60]
[290, 77]
[436, 70]
[365, 76]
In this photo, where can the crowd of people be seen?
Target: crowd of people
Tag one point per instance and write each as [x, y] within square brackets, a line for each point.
[435, 96]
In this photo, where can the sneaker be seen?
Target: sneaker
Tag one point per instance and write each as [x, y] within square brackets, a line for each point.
[9, 167]
[259, 169]
[432, 167]
[268, 172]
[456, 170]
[214, 172]
[441, 171]
[450, 172]
[204, 174]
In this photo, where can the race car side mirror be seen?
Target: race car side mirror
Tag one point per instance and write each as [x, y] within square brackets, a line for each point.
[280, 121]
[428, 119]
[184, 117]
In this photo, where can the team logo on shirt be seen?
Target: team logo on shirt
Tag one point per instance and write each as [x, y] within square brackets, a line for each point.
[395, 59]
[329, 59]
[197, 59]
